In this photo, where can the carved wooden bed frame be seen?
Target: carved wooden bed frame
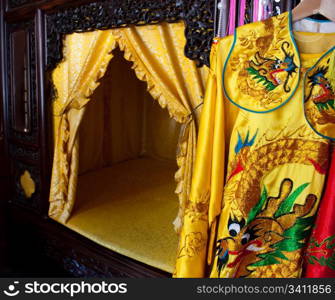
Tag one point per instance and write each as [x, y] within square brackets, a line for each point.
[45, 22]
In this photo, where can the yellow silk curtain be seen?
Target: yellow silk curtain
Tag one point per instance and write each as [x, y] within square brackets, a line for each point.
[158, 56]
[86, 58]
[157, 53]
[123, 123]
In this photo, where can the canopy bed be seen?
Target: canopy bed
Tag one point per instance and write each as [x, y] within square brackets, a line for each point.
[121, 136]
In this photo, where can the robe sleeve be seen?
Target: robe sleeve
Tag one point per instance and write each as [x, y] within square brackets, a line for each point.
[199, 224]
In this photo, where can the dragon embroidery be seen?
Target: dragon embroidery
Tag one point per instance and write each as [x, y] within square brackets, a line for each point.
[321, 91]
[266, 233]
[274, 227]
[268, 70]
[250, 165]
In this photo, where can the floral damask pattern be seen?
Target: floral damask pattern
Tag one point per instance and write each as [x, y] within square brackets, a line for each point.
[193, 243]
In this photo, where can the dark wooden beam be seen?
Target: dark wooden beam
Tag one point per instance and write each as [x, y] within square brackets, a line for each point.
[3, 79]
[28, 11]
[44, 109]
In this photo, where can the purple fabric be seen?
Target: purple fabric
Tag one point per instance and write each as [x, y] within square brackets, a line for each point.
[266, 10]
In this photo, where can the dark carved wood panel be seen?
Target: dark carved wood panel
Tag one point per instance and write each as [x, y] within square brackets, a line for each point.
[3, 75]
[106, 15]
[82, 260]
[31, 136]
[197, 14]
[23, 143]
[17, 3]
[20, 79]
[23, 153]
[199, 32]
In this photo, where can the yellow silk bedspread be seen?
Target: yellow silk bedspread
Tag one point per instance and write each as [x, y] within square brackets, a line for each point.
[131, 214]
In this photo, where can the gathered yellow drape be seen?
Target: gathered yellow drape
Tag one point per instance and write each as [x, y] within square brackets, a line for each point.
[86, 58]
[158, 56]
[157, 53]
[205, 200]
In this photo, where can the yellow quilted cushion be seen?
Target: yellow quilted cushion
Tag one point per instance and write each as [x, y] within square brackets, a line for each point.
[129, 208]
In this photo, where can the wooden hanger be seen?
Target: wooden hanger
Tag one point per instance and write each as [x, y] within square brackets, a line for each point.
[307, 8]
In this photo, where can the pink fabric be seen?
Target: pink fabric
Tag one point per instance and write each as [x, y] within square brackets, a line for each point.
[232, 17]
[255, 16]
[242, 12]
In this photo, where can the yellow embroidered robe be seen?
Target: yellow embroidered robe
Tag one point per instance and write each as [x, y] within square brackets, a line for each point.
[276, 108]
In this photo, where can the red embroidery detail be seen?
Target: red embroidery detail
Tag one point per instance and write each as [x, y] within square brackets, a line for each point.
[322, 252]
[317, 166]
[326, 94]
[244, 252]
[274, 72]
[239, 168]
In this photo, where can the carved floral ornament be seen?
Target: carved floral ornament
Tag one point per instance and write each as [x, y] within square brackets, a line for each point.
[198, 16]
